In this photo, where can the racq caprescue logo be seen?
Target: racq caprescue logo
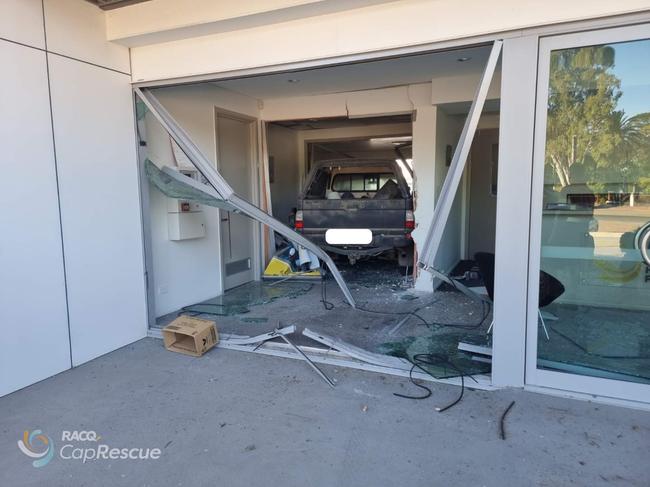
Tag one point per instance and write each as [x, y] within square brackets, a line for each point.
[38, 446]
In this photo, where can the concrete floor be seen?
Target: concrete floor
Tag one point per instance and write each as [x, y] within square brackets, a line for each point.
[232, 418]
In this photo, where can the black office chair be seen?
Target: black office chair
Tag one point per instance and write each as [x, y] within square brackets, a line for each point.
[549, 287]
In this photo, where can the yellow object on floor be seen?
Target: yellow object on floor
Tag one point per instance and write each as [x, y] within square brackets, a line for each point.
[279, 267]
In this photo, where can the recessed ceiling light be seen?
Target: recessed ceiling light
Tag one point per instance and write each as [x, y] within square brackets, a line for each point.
[293, 80]
[393, 140]
[463, 59]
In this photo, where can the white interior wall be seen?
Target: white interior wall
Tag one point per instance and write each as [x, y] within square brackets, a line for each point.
[482, 204]
[448, 131]
[185, 272]
[283, 147]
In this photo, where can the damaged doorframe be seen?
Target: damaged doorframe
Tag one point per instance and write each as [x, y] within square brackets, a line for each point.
[264, 170]
[223, 191]
[429, 251]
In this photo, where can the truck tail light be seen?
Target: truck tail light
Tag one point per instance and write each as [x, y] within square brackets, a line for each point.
[409, 222]
[300, 224]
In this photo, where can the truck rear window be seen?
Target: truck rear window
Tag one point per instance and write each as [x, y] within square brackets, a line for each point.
[361, 182]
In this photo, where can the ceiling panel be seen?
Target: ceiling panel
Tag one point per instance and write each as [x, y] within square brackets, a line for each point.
[363, 76]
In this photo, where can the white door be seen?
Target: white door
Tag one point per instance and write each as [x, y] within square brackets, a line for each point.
[590, 211]
[234, 160]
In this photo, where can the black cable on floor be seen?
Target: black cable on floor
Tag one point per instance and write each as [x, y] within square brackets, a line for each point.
[434, 359]
[486, 309]
[405, 396]
[502, 428]
[323, 296]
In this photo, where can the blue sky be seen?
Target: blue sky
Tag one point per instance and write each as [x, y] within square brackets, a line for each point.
[632, 67]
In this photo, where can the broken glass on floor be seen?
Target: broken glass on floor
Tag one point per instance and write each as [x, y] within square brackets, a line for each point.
[240, 299]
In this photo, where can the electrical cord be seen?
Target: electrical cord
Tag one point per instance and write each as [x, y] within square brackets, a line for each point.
[434, 359]
[329, 306]
[486, 308]
[502, 426]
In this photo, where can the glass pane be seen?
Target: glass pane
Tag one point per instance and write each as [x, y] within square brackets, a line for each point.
[595, 286]
[384, 178]
[356, 181]
[371, 182]
[341, 182]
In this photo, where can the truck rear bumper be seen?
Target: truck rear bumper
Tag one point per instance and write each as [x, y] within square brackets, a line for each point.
[380, 243]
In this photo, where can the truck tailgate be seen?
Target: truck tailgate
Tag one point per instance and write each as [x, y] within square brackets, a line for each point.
[378, 215]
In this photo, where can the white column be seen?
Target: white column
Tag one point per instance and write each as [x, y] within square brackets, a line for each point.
[519, 68]
[424, 169]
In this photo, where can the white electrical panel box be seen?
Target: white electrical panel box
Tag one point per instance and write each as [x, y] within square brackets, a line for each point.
[185, 225]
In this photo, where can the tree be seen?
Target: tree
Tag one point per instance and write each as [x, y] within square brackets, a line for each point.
[582, 116]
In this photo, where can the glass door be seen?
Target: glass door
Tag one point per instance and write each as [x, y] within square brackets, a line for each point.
[589, 285]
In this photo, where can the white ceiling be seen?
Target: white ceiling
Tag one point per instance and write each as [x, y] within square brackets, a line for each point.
[362, 76]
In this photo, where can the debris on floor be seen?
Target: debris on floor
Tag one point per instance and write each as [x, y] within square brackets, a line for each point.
[240, 299]
[191, 336]
[502, 427]
[443, 343]
[254, 319]
[290, 263]
[393, 324]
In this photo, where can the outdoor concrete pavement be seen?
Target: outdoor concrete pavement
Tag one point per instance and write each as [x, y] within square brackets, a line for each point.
[239, 419]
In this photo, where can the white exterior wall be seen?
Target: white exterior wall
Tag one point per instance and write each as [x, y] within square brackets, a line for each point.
[389, 25]
[68, 149]
[33, 319]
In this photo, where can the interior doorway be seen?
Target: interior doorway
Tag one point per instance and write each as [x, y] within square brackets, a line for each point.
[483, 169]
[234, 160]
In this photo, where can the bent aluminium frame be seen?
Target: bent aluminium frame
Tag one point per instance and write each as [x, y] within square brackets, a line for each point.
[223, 191]
[429, 251]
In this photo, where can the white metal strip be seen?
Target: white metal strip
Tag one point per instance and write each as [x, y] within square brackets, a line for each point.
[445, 201]
[359, 353]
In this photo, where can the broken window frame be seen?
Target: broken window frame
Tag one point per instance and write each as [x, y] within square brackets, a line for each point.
[429, 251]
[221, 190]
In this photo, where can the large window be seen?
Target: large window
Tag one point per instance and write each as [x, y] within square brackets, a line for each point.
[361, 182]
[594, 289]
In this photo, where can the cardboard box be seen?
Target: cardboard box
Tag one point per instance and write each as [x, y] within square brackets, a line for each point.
[191, 336]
